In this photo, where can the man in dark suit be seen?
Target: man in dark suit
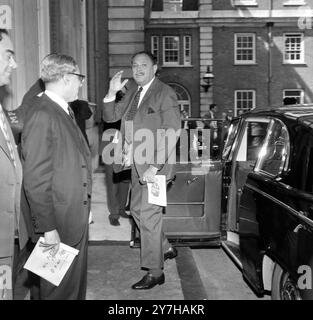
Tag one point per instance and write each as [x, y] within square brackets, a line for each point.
[57, 173]
[12, 223]
[148, 106]
[117, 184]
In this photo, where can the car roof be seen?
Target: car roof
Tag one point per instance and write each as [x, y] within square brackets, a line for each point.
[301, 113]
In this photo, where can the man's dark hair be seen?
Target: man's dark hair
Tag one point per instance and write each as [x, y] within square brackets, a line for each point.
[147, 53]
[3, 31]
[212, 106]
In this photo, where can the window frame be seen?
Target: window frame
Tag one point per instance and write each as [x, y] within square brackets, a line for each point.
[301, 101]
[172, 63]
[290, 61]
[236, 100]
[185, 49]
[244, 3]
[157, 38]
[285, 164]
[244, 62]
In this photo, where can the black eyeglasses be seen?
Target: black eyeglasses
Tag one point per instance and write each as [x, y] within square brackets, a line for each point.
[80, 76]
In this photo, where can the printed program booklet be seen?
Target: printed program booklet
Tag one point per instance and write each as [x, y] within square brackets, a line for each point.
[52, 268]
[157, 191]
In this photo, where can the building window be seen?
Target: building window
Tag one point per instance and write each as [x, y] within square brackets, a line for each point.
[171, 50]
[294, 48]
[155, 47]
[244, 101]
[244, 48]
[298, 94]
[187, 50]
[183, 98]
[175, 5]
[244, 3]
[294, 3]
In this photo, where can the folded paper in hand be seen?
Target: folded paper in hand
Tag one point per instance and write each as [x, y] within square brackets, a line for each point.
[157, 191]
[52, 268]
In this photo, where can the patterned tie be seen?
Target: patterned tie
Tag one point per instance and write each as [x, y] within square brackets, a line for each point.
[134, 107]
[6, 135]
[71, 113]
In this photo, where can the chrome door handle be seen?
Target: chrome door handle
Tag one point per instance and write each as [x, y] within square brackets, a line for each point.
[192, 180]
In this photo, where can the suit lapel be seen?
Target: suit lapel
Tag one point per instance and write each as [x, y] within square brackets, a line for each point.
[149, 92]
[73, 128]
[4, 146]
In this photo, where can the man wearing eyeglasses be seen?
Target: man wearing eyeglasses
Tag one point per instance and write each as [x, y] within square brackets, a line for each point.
[57, 173]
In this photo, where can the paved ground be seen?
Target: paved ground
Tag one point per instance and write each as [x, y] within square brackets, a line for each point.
[221, 278]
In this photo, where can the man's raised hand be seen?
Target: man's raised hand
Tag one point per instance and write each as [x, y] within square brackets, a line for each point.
[116, 83]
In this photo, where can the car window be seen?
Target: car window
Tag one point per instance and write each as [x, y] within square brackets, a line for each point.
[198, 143]
[252, 140]
[274, 153]
[232, 132]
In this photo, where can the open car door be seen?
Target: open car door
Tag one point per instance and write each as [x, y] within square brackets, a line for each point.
[192, 215]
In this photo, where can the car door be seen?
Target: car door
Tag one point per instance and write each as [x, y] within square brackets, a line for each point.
[192, 215]
[275, 214]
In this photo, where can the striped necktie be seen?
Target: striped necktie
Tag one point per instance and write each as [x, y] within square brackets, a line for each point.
[71, 113]
[6, 135]
[134, 107]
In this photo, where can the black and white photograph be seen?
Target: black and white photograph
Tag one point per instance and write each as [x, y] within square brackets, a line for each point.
[155, 155]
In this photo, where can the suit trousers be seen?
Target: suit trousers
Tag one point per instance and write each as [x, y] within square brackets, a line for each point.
[74, 283]
[148, 218]
[117, 190]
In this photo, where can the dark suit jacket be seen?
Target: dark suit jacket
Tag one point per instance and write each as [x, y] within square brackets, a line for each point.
[57, 171]
[10, 194]
[158, 110]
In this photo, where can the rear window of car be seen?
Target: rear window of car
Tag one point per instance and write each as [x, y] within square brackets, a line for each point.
[274, 153]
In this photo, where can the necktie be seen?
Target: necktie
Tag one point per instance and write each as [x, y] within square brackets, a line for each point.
[71, 113]
[6, 135]
[134, 107]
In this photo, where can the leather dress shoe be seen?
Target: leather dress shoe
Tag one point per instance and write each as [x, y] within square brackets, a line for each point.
[148, 282]
[114, 221]
[170, 253]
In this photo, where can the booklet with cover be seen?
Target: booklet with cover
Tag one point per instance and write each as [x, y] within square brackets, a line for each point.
[157, 191]
[52, 268]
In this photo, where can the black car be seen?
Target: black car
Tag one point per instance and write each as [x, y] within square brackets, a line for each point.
[250, 191]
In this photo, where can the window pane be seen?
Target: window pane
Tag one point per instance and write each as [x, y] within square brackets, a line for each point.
[297, 94]
[244, 101]
[171, 50]
[157, 5]
[187, 50]
[173, 5]
[293, 48]
[245, 47]
[155, 46]
[190, 5]
[274, 152]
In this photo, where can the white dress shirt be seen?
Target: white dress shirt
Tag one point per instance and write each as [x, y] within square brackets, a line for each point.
[58, 100]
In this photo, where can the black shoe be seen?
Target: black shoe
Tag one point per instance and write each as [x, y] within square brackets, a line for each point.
[148, 282]
[114, 221]
[123, 214]
[170, 253]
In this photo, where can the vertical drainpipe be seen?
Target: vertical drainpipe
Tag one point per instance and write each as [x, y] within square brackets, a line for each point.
[269, 26]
